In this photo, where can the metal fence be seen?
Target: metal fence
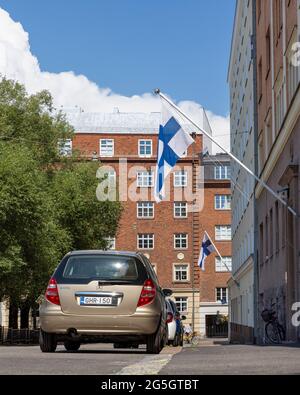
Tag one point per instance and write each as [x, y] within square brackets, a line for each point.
[18, 336]
[217, 330]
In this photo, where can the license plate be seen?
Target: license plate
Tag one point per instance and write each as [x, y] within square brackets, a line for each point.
[95, 301]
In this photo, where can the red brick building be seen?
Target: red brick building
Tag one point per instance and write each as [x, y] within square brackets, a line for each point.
[168, 232]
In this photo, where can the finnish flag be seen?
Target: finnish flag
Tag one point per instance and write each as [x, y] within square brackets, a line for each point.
[206, 249]
[173, 142]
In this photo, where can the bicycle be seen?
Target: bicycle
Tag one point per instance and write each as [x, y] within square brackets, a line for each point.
[274, 331]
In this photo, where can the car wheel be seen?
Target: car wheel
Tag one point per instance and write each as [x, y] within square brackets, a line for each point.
[181, 340]
[71, 346]
[155, 342]
[48, 341]
[176, 341]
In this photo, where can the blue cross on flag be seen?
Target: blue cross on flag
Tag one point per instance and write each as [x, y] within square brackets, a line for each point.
[206, 249]
[173, 142]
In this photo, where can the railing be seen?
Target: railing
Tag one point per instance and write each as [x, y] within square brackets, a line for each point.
[217, 330]
[18, 336]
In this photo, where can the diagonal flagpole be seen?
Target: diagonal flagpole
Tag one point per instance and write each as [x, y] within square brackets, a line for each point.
[259, 180]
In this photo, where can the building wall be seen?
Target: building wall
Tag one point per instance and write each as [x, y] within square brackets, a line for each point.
[279, 129]
[240, 79]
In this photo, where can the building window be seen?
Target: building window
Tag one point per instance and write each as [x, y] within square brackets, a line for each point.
[145, 179]
[145, 210]
[180, 178]
[180, 210]
[222, 172]
[279, 113]
[145, 148]
[223, 232]
[110, 243]
[106, 147]
[222, 202]
[182, 304]
[65, 147]
[145, 241]
[222, 295]
[181, 272]
[181, 241]
[222, 265]
[110, 175]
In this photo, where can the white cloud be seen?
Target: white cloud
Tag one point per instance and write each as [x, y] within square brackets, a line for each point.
[70, 90]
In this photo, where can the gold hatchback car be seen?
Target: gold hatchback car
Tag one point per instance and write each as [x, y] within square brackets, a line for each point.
[104, 297]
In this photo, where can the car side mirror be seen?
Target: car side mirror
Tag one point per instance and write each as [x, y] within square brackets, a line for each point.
[183, 317]
[167, 292]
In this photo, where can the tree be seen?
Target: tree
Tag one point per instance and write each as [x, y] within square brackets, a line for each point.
[48, 204]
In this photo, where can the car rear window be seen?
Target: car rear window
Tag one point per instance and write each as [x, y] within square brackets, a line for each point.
[106, 268]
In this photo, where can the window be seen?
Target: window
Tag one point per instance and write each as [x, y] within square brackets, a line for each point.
[180, 210]
[260, 79]
[145, 241]
[222, 202]
[65, 147]
[145, 148]
[222, 295]
[145, 210]
[222, 172]
[111, 243]
[222, 265]
[145, 179]
[180, 241]
[180, 178]
[279, 114]
[222, 232]
[111, 176]
[181, 272]
[106, 147]
[182, 304]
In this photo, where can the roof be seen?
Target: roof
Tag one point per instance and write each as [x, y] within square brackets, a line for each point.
[102, 252]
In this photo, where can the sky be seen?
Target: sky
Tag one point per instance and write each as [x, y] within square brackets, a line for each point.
[101, 54]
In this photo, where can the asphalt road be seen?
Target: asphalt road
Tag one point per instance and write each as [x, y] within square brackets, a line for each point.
[99, 359]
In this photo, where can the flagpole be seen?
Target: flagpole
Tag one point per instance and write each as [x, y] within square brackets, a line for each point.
[222, 260]
[259, 180]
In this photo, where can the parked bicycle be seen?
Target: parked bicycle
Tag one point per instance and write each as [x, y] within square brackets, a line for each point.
[274, 331]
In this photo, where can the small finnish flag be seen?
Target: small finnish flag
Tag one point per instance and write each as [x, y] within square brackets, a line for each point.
[173, 142]
[206, 249]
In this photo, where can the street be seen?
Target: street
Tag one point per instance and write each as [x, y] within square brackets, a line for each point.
[210, 357]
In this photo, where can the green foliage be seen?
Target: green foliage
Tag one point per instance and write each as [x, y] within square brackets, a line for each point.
[48, 205]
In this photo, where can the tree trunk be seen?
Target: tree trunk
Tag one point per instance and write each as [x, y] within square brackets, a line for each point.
[25, 316]
[13, 316]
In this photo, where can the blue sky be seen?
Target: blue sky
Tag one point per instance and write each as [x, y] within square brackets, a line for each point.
[133, 46]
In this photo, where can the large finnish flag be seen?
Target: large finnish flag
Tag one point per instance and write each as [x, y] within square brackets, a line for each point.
[206, 249]
[173, 142]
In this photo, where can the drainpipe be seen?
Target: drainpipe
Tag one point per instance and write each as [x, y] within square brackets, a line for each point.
[255, 120]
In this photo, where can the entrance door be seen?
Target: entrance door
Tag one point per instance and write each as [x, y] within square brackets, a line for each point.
[215, 326]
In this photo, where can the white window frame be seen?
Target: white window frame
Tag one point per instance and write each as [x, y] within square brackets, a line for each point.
[105, 154]
[143, 176]
[220, 266]
[180, 300]
[223, 233]
[141, 141]
[222, 296]
[179, 237]
[112, 241]
[182, 204]
[185, 268]
[65, 147]
[227, 206]
[145, 237]
[180, 179]
[222, 172]
[141, 205]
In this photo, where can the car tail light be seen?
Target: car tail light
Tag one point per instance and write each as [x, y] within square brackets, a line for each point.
[52, 292]
[148, 293]
[169, 318]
